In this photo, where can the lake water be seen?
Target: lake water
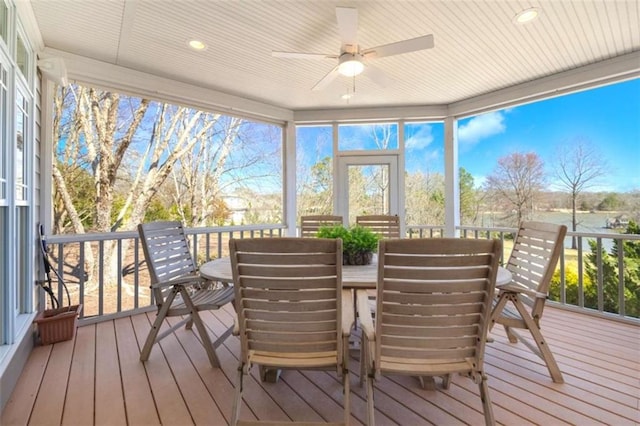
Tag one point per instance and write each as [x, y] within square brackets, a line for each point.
[587, 222]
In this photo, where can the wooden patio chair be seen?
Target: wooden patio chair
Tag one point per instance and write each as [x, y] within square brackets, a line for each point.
[292, 311]
[177, 287]
[520, 304]
[386, 226]
[309, 225]
[433, 303]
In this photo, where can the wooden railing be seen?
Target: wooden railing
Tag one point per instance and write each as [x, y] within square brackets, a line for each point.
[119, 287]
[106, 272]
[572, 287]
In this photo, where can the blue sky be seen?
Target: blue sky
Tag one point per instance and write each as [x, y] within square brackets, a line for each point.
[607, 119]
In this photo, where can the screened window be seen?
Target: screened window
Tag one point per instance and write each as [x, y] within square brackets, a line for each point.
[314, 160]
[379, 136]
[22, 118]
[4, 21]
[4, 145]
[22, 57]
[211, 169]
[424, 173]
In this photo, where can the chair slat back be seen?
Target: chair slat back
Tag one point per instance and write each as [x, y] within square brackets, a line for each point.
[288, 294]
[534, 257]
[309, 225]
[434, 298]
[166, 250]
[386, 226]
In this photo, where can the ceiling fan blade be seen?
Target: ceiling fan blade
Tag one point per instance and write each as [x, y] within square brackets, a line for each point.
[377, 76]
[301, 55]
[397, 48]
[347, 18]
[326, 80]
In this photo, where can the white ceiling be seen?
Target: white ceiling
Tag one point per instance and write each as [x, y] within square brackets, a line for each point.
[478, 47]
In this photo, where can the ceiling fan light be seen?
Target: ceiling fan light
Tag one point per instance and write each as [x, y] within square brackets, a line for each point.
[350, 65]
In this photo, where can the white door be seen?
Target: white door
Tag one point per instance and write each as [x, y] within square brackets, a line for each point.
[367, 184]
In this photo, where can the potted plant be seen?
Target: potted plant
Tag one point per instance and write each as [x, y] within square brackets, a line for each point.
[358, 243]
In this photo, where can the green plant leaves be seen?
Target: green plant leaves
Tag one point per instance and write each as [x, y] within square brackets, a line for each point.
[354, 240]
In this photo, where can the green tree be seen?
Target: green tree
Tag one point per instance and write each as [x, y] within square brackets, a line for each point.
[611, 202]
[469, 198]
[610, 277]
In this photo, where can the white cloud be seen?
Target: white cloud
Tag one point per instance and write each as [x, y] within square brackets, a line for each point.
[420, 140]
[481, 127]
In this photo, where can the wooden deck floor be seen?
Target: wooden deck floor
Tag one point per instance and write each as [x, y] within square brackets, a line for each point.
[98, 379]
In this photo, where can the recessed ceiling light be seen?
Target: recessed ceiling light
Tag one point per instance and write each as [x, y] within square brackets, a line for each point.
[347, 96]
[197, 45]
[526, 15]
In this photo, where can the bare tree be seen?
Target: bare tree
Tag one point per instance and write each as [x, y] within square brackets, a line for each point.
[424, 198]
[516, 180]
[578, 166]
[197, 179]
[101, 134]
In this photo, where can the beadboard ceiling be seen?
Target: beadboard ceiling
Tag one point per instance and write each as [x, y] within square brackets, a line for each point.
[478, 47]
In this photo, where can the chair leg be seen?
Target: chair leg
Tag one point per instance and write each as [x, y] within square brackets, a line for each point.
[427, 382]
[543, 349]
[157, 323]
[486, 402]
[370, 407]
[346, 385]
[497, 310]
[446, 381]
[202, 330]
[237, 402]
[364, 358]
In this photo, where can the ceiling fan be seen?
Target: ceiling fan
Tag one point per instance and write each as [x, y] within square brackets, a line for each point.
[352, 60]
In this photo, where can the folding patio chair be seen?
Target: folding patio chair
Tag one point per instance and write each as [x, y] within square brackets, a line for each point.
[309, 225]
[433, 303]
[386, 226]
[533, 260]
[177, 287]
[292, 311]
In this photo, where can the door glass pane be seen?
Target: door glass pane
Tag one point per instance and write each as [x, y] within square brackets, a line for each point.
[368, 190]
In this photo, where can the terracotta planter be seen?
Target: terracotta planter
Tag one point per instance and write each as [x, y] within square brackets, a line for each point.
[58, 325]
[359, 258]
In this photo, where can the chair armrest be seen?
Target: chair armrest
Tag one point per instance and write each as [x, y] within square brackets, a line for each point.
[348, 316]
[515, 288]
[364, 312]
[184, 280]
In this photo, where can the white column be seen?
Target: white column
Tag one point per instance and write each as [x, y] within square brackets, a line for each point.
[451, 180]
[289, 159]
